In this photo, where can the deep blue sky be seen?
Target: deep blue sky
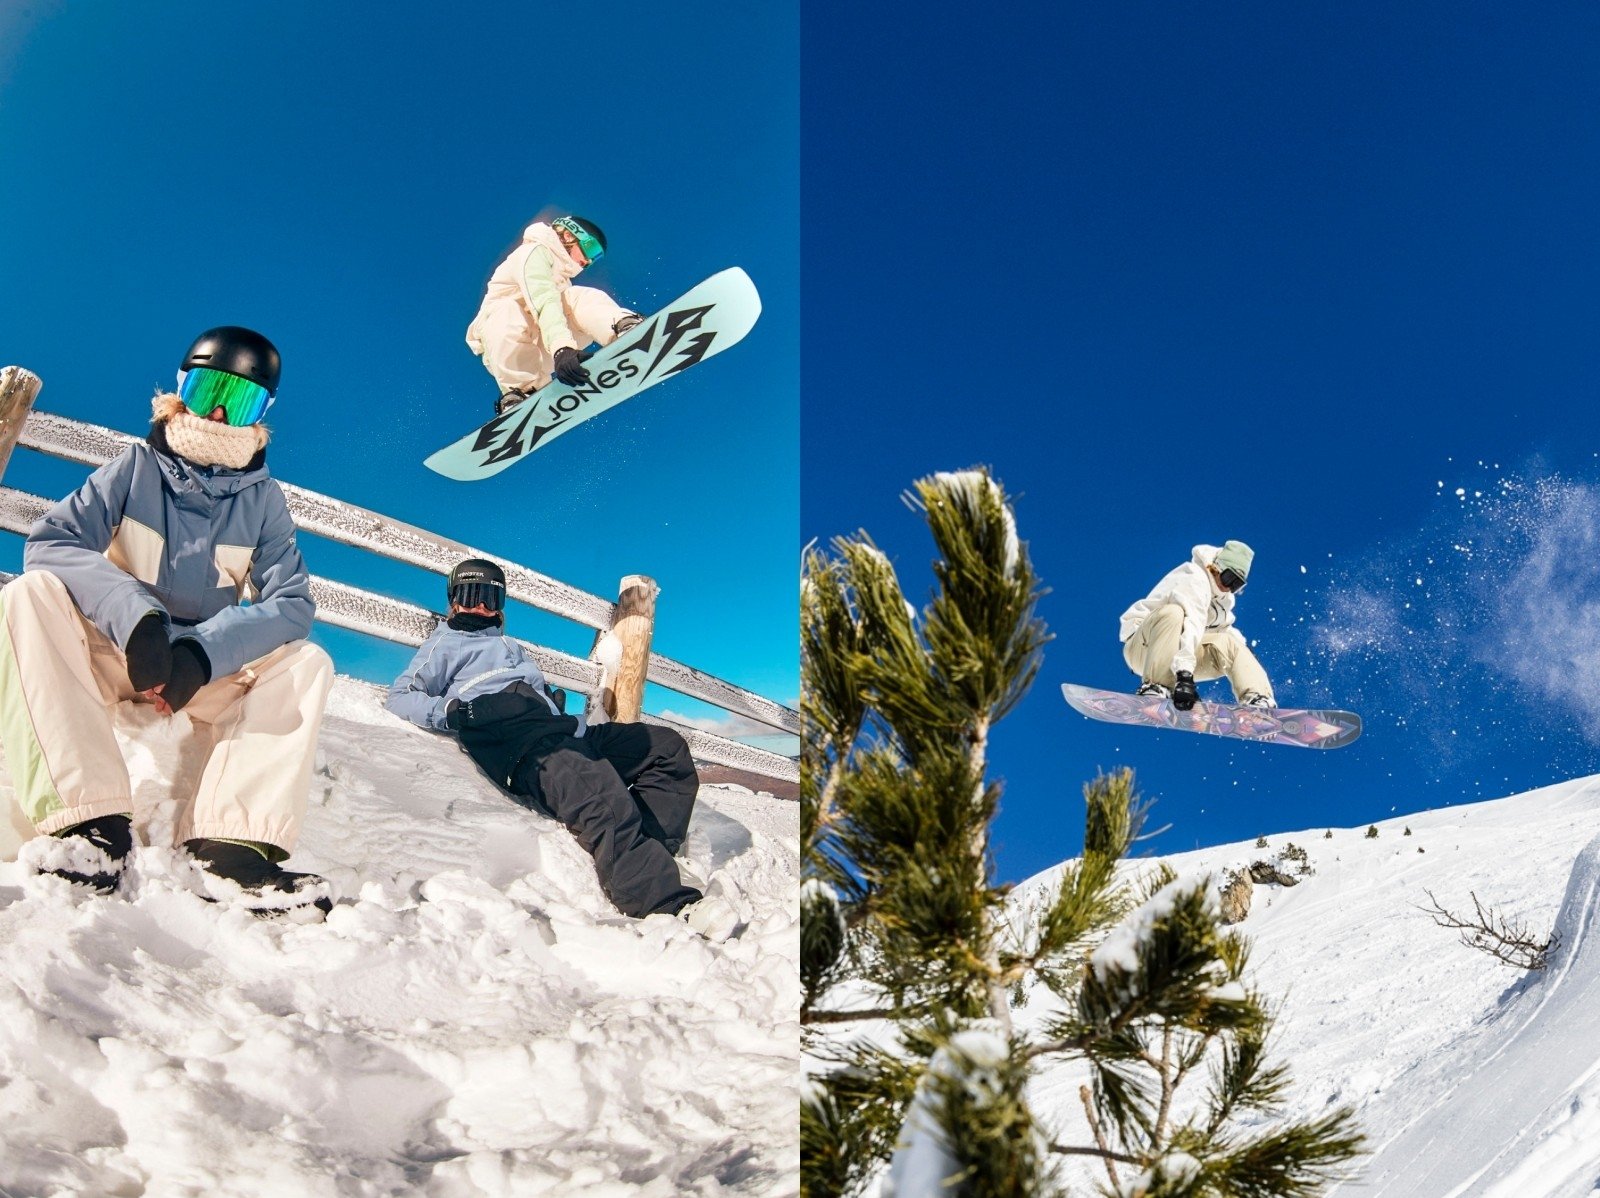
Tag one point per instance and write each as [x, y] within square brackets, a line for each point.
[1179, 273]
[344, 178]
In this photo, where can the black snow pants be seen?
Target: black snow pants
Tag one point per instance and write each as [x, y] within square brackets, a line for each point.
[626, 791]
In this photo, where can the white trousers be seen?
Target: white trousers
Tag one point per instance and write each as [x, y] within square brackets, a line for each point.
[512, 350]
[248, 759]
[1220, 654]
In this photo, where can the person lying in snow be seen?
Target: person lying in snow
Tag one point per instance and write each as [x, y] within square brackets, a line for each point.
[1183, 631]
[131, 591]
[533, 322]
[626, 791]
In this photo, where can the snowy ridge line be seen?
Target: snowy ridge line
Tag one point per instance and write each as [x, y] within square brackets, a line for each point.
[324, 516]
[352, 608]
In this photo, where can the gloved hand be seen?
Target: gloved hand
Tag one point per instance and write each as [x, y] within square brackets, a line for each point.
[1184, 695]
[149, 653]
[455, 714]
[569, 366]
[191, 669]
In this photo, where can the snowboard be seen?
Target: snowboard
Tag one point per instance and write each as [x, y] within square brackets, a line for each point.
[696, 326]
[1309, 729]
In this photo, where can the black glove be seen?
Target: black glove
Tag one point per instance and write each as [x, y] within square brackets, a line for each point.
[149, 653]
[1184, 694]
[569, 366]
[558, 697]
[191, 669]
[455, 715]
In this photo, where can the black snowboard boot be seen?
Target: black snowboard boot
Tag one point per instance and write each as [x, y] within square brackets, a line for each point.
[267, 888]
[104, 845]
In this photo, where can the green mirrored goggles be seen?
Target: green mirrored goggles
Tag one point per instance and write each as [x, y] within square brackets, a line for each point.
[591, 248]
[204, 390]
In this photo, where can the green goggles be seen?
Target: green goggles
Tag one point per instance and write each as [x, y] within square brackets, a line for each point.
[591, 248]
[204, 390]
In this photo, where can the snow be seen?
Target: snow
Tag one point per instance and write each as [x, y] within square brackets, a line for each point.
[922, 1163]
[1469, 1078]
[474, 1018]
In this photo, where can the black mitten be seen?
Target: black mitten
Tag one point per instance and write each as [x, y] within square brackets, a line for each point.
[149, 653]
[191, 669]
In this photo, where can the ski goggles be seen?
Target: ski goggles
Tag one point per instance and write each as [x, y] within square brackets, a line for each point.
[591, 248]
[490, 595]
[204, 390]
[1231, 581]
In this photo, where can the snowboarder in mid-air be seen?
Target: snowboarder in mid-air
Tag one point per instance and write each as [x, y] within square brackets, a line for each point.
[132, 591]
[533, 323]
[1184, 632]
[626, 791]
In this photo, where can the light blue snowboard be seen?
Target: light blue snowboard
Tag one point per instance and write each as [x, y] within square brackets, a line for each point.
[706, 321]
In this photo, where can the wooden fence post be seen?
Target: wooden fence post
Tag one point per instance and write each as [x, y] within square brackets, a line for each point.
[624, 650]
[18, 389]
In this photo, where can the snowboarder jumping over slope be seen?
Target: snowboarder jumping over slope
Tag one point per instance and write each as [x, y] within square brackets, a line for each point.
[533, 323]
[131, 591]
[626, 791]
[1184, 632]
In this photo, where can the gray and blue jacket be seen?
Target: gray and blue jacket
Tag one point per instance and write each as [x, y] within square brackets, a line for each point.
[463, 664]
[151, 531]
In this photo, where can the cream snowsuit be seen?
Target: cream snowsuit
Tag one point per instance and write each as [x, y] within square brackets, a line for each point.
[152, 532]
[531, 309]
[1186, 623]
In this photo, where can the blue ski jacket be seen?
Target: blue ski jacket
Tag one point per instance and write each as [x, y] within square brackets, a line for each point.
[152, 531]
[460, 664]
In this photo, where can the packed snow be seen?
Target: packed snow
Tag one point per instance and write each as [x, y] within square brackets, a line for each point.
[474, 1018]
[1469, 1077]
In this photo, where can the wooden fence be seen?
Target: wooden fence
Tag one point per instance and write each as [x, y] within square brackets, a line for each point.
[611, 677]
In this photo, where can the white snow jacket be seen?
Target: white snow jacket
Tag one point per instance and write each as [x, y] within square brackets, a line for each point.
[1206, 606]
[534, 275]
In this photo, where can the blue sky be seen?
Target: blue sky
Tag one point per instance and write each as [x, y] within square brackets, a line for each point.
[344, 183]
[1319, 278]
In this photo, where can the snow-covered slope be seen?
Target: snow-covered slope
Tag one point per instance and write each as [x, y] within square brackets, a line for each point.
[1469, 1077]
[476, 1020]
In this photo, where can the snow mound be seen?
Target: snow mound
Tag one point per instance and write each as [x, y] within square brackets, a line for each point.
[1468, 1077]
[474, 1018]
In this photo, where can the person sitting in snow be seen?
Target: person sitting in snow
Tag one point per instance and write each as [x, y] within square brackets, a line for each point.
[533, 323]
[626, 791]
[131, 591]
[1183, 631]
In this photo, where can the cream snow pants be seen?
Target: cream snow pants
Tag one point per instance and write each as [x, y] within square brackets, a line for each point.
[1220, 654]
[512, 349]
[253, 744]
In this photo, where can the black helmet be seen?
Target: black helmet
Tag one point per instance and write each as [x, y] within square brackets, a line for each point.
[243, 352]
[476, 581]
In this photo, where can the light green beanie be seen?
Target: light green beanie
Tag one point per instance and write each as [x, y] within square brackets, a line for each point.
[1235, 556]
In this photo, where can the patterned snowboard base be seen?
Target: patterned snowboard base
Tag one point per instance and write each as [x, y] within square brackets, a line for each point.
[1271, 725]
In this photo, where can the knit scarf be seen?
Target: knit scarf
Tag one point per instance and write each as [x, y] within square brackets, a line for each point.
[207, 442]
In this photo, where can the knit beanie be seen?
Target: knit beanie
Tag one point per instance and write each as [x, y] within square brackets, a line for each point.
[207, 442]
[1235, 556]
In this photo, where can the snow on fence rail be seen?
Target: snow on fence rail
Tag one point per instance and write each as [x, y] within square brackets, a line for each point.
[391, 619]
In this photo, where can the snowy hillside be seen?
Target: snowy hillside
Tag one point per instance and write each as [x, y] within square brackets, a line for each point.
[476, 1019]
[1469, 1077]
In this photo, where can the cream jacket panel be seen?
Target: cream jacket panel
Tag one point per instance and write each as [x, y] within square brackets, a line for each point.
[1206, 606]
[137, 550]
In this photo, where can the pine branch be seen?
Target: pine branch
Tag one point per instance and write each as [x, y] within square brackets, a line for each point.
[1099, 1138]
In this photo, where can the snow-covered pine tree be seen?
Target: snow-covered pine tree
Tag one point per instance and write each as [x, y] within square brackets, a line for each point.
[908, 958]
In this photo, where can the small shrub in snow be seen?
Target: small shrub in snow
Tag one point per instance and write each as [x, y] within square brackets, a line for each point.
[1372, 831]
[1261, 842]
[1408, 830]
[1328, 835]
[1504, 938]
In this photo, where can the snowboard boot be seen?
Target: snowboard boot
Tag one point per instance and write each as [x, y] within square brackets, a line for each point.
[258, 884]
[1155, 690]
[626, 323]
[92, 853]
[1255, 699]
[508, 400]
